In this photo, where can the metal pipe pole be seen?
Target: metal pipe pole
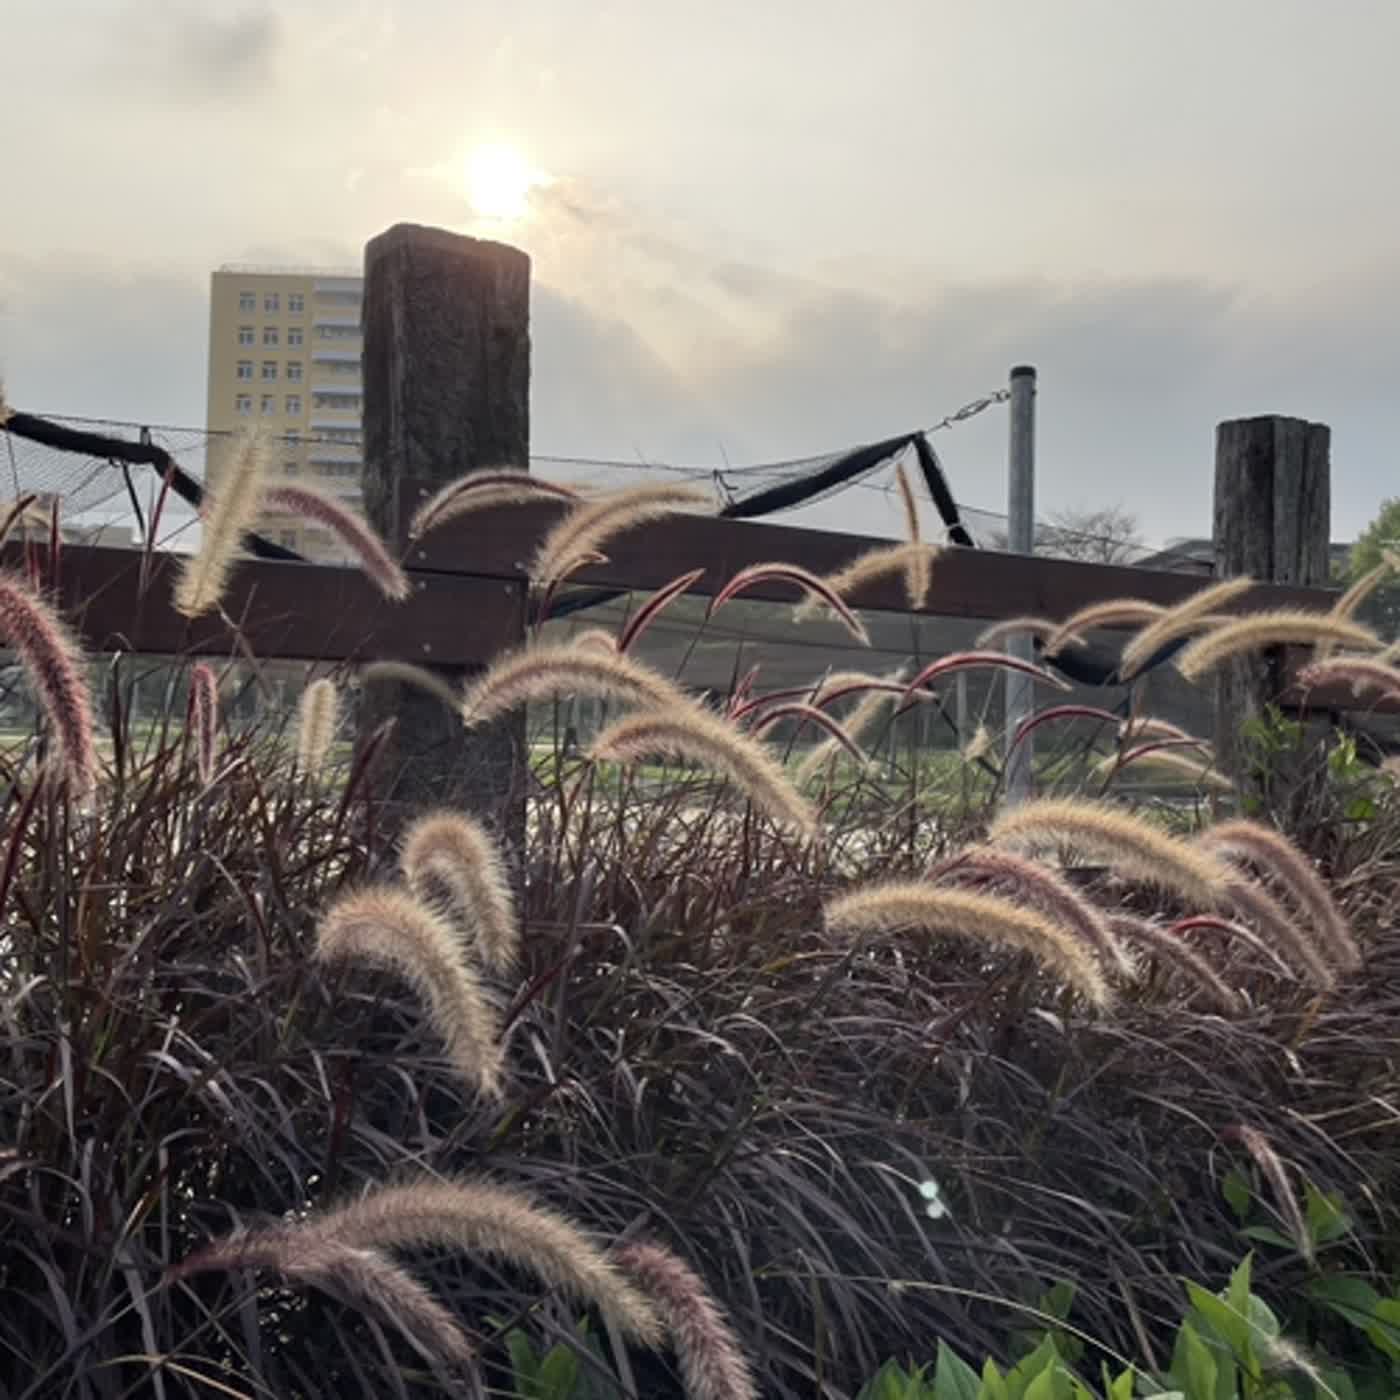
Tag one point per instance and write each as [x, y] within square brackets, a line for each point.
[1020, 510]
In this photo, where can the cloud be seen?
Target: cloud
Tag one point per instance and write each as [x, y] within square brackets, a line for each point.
[196, 52]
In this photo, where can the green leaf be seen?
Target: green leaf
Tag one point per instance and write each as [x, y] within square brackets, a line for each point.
[953, 1378]
[1059, 1300]
[1198, 1374]
[1119, 1387]
[1384, 1332]
[1237, 1193]
[1325, 1215]
[1267, 1235]
[558, 1374]
[893, 1382]
[524, 1363]
[993, 1383]
[1351, 1298]
[1225, 1321]
[1029, 1368]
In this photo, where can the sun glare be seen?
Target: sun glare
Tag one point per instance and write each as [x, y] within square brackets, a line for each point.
[499, 181]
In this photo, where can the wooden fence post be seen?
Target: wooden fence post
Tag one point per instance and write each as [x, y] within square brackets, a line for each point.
[1273, 522]
[446, 391]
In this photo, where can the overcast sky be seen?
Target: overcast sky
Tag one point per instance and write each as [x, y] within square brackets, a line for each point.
[775, 228]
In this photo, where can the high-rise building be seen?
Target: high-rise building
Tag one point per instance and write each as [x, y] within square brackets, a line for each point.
[284, 356]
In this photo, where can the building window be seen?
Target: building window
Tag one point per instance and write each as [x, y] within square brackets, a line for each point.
[341, 434]
[294, 403]
[243, 403]
[269, 405]
[245, 335]
[340, 297]
[296, 303]
[294, 370]
[269, 369]
[329, 332]
[271, 303]
[245, 369]
[293, 335]
[340, 368]
[294, 435]
[343, 401]
[269, 335]
[247, 301]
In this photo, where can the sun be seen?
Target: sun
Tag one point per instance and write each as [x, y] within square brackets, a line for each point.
[499, 180]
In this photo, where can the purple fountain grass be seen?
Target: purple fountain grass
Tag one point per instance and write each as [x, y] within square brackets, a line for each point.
[234, 509]
[480, 1217]
[968, 660]
[486, 490]
[55, 667]
[918, 568]
[319, 712]
[361, 1278]
[649, 610]
[204, 717]
[24, 512]
[597, 637]
[1126, 842]
[1345, 607]
[911, 560]
[979, 746]
[1233, 929]
[1004, 872]
[712, 1361]
[1270, 1163]
[417, 676]
[1359, 672]
[907, 904]
[456, 851]
[1054, 713]
[857, 723]
[1245, 841]
[1115, 612]
[348, 526]
[778, 572]
[1269, 629]
[590, 523]
[1186, 617]
[535, 672]
[1173, 950]
[1009, 627]
[389, 928]
[810, 714]
[1166, 754]
[690, 732]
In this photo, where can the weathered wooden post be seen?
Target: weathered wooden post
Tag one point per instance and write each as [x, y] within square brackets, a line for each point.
[1273, 522]
[446, 391]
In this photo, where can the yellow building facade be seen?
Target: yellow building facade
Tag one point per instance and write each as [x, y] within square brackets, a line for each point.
[284, 357]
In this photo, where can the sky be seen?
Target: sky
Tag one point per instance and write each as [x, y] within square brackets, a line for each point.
[769, 230]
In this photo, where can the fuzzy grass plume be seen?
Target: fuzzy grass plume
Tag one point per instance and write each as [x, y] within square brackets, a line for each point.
[690, 732]
[204, 717]
[1269, 629]
[486, 490]
[1345, 607]
[860, 720]
[779, 572]
[480, 1218]
[910, 560]
[1186, 617]
[408, 674]
[534, 672]
[454, 850]
[1115, 612]
[348, 526]
[918, 571]
[1271, 1165]
[712, 1361]
[204, 575]
[903, 904]
[1127, 843]
[1012, 626]
[591, 524]
[318, 713]
[389, 928]
[1250, 842]
[359, 1277]
[1029, 882]
[1166, 753]
[1360, 672]
[1177, 954]
[56, 670]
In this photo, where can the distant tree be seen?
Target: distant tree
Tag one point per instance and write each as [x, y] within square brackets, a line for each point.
[1108, 535]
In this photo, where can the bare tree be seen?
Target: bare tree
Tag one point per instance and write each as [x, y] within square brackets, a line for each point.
[1108, 535]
